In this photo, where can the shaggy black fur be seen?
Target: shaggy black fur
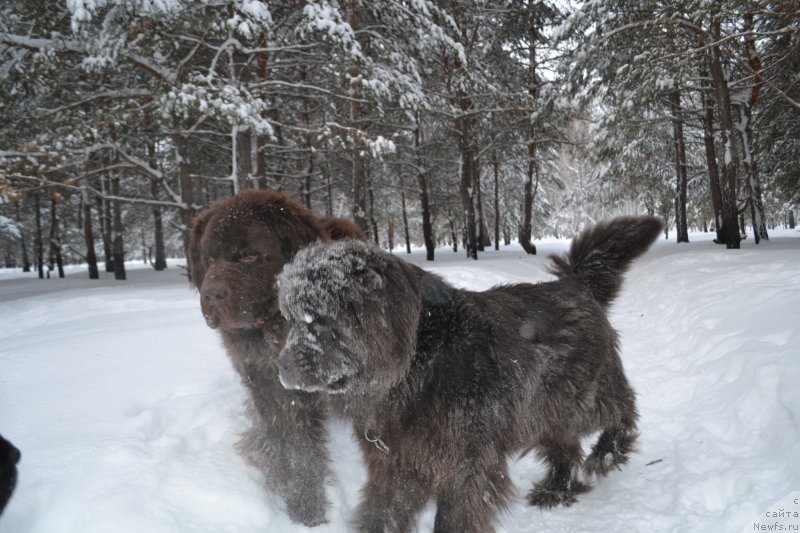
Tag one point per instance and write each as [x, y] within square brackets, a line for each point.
[443, 385]
[237, 247]
[9, 457]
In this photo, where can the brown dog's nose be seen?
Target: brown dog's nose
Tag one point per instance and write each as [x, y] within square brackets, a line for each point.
[214, 293]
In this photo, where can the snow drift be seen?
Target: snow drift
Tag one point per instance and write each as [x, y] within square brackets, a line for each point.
[126, 408]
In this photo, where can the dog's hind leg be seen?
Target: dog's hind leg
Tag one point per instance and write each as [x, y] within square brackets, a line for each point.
[472, 502]
[618, 438]
[561, 483]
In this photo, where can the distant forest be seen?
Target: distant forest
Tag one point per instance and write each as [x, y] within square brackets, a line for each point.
[465, 122]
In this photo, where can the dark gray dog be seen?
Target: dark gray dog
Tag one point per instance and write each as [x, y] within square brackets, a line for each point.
[445, 384]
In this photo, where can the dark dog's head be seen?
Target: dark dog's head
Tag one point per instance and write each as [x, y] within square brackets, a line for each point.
[238, 246]
[9, 457]
[353, 313]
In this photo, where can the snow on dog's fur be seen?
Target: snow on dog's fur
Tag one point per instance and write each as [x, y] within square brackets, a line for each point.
[443, 385]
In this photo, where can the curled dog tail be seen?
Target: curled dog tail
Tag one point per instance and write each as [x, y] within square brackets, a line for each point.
[600, 255]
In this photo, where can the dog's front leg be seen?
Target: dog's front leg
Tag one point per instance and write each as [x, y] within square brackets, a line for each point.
[471, 503]
[288, 442]
[393, 496]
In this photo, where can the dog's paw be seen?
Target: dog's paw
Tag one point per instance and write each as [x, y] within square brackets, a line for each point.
[546, 497]
[600, 464]
[610, 452]
[309, 511]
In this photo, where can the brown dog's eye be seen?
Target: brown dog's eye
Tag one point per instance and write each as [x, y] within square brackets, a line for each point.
[249, 258]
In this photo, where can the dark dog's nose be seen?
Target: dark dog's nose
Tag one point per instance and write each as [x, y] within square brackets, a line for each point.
[214, 292]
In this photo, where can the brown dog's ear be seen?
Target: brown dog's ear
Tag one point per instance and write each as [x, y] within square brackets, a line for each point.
[194, 258]
[341, 228]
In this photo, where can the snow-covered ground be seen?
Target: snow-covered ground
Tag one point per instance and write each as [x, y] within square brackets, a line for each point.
[126, 409]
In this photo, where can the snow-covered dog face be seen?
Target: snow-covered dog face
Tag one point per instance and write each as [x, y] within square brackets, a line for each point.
[344, 303]
[319, 356]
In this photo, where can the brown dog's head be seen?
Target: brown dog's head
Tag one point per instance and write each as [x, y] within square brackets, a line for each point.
[353, 312]
[237, 247]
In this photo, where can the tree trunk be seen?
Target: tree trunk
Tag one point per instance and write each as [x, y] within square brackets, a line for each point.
[187, 192]
[484, 239]
[308, 172]
[681, 225]
[405, 212]
[118, 232]
[791, 219]
[527, 201]
[453, 233]
[158, 224]
[372, 221]
[241, 159]
[746, 132]
[326, 173]
[730, 224]
[104, 214]
[496, 168]
[260, 156]
[466, 186]
[261, 163]
[711, 157]
[55, 236]
[753, 180]
[422, 182]
[38, 245]
[390, 232]
[88, 235]
[160, 262]
[26, 262]
[359, 176]
[307, 181]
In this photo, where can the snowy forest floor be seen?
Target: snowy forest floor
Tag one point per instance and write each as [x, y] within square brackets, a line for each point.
[126, 408]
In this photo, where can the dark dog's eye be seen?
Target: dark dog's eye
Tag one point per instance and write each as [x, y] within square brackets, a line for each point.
[249, 258]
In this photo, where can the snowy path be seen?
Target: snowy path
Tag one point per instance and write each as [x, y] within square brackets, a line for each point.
[126, 408]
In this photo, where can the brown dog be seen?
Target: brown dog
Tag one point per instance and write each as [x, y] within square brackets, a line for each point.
[237, 247]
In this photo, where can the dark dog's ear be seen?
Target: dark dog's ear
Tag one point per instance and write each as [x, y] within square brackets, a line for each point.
[197, 267]
[396, 317]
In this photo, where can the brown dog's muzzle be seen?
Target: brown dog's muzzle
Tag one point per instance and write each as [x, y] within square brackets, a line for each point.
[213, 295]
[214, 292]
